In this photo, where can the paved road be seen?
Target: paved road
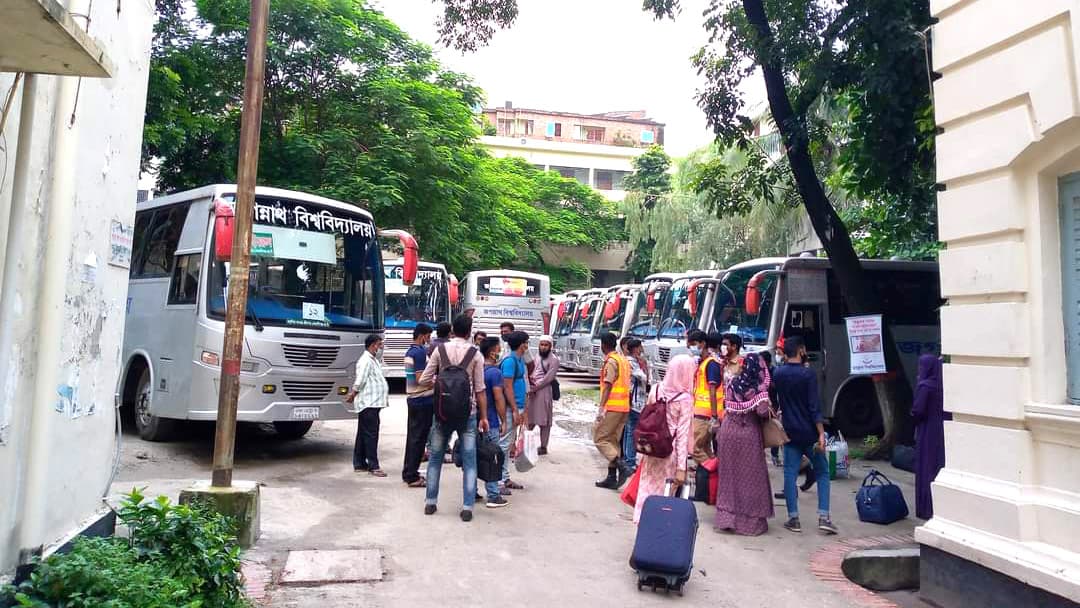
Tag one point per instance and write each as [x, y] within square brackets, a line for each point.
[561, 542]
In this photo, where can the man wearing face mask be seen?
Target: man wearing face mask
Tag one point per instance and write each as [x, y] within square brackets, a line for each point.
[695, 342]
[708, 398]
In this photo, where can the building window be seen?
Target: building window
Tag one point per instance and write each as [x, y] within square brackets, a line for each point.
[558, 129]
[610, 180]
[1069, 212]
[579, 132]
[505, 126]
[527, 125]
[594, 134]
[581, 174]
[647, 137]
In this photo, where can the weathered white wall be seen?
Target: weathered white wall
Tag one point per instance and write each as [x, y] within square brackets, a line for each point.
[81, 419]
[1009, 104]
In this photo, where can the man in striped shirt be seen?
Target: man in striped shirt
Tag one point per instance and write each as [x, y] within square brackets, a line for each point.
[370, 393]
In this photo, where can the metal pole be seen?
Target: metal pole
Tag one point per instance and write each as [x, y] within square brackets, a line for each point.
[235, 313]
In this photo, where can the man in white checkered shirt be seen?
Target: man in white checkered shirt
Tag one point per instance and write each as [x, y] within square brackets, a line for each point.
[370, 393]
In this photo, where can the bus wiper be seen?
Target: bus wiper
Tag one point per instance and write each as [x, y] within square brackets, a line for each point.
[249, 313]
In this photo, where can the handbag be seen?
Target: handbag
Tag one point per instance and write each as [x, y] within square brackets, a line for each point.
[489, 459]
[880, 501]
[772, 431]
[527, 451]
[629, 493]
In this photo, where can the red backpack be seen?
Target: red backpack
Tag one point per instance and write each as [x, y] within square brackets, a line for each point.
[652, 437]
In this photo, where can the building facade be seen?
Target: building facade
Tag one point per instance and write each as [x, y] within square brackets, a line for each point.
[68, 174]
[596, 149]
[1006, 526]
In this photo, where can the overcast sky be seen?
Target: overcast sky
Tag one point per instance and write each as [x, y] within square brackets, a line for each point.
[583, 56]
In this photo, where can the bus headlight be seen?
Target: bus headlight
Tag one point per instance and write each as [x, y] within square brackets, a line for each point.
[210, 358]
[249, 366]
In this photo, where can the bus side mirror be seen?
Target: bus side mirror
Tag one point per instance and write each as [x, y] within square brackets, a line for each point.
[547, 321]
[752, 305]
[411, 258]
[224, 225]
[691, 298]
[650, 302]
[611, 309]
[455, 295]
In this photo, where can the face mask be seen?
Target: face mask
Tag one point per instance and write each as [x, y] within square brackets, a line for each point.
[695, 350]
[724, 350]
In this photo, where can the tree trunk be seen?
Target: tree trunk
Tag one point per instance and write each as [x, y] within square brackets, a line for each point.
[893, 391]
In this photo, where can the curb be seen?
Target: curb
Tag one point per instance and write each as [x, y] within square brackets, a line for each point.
[826, 566]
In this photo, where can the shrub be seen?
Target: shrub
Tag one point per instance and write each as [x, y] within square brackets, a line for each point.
[175, 556]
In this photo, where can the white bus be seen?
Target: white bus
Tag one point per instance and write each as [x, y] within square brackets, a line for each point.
[563, 318]
[494, 296]
[675, 320]
[316, 292]
[765, 299]
[614, 316]
[428, 300]
[581, 329]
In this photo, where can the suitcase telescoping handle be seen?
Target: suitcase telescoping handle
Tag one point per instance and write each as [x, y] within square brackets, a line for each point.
[684, 489]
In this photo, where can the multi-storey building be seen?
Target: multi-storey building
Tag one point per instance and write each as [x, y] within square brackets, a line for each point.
[596, 149]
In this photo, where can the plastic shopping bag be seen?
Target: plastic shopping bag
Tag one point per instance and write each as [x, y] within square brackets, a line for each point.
[528, 449]
[836, 449]
[629, 493]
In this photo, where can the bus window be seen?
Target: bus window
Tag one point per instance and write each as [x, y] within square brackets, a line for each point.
[515, 287]
[729, 315]
[584, 319]
[804, 321]
[566, 321]
[645, 321]
[427, 300]
[908, 297]
[184, 287]
[676, 319]
[157, 234]
[615, 324]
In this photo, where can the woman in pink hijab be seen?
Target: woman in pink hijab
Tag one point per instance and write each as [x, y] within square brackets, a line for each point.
[678, 389]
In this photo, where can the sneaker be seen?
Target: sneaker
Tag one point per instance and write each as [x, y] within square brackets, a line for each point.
[793, 524]
[466, 515]
[496, 502]
[541, 451]
[430, 509]
[809, 483]
[825, 525]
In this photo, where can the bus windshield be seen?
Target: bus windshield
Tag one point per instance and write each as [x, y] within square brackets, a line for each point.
[614, 324]
[566, 321]
[645, 321]
[322, 272]
[427, 300]
[675, 319]
[729, 316]
[585, 313]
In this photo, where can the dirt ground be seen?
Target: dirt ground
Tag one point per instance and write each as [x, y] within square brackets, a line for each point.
[560, 542]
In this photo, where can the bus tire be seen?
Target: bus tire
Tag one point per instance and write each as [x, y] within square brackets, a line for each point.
[857, 412]
[292, 429]
[150, 427]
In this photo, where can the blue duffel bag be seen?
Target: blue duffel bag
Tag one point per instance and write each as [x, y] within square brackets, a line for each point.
[880, 501]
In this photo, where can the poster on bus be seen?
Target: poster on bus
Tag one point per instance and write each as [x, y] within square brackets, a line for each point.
[866, 344]
[507, 286]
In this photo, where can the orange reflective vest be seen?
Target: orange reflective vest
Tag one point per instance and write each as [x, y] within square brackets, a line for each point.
[619, 397]
[702, 403]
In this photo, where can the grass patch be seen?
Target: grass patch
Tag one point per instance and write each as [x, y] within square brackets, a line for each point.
[592, 394]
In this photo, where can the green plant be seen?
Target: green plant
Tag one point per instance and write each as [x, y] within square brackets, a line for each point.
[175, 556]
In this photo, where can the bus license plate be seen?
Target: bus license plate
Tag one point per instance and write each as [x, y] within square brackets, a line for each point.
[305, 413]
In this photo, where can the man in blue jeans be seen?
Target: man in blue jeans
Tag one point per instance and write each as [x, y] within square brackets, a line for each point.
[457, 350]
[515, 387]
[493, 383]
[800, 405]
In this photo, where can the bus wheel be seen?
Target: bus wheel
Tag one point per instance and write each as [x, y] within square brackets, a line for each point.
[857, 412]
[151, 427]
[292, 429]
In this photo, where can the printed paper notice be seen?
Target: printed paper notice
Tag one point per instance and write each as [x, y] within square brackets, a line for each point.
[313, 311]
[120, 239]
[866, 344]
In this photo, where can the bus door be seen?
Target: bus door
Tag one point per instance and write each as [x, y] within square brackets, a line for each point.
[806, 322]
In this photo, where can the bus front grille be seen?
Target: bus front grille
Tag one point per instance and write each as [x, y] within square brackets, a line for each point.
[298, 390]
[596, 351]
[665, 354]
[394, 348]
[310, 356]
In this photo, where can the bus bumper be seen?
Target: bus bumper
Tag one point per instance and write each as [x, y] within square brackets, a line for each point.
[305, 395]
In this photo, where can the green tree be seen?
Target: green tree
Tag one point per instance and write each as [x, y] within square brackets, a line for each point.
[356, 111]
[648, 185]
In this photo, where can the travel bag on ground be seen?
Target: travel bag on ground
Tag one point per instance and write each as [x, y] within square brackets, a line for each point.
[836, 451]
[880, 501]
[489, 459]
[903, 458]
[663, 554]
[527, 454]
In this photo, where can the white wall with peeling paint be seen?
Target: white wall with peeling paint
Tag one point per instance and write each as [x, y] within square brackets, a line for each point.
[79, 430]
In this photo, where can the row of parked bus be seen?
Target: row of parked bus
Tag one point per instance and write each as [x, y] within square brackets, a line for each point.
[318, 286]
[760, 300]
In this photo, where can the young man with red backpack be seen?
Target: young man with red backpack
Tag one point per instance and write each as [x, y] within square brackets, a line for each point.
[456, 371]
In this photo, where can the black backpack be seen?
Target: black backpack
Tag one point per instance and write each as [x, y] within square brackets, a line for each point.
[453, 389]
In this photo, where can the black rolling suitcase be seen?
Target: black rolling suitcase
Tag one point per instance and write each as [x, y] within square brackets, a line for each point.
[664, 549]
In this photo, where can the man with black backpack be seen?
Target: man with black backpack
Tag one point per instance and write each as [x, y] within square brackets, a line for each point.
[456, 371]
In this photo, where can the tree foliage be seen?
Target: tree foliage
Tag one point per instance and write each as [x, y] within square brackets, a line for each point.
[357, 111]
